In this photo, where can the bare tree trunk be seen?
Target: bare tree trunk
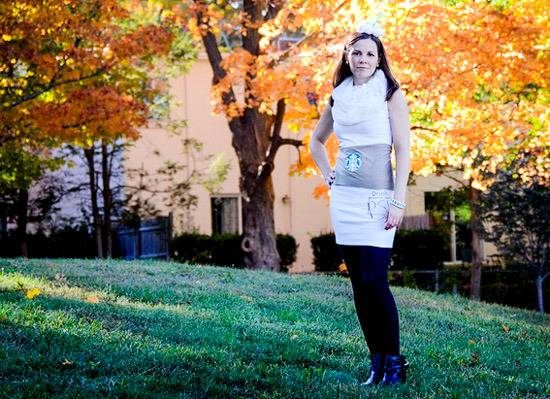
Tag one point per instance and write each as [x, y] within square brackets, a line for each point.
[107, 201]
[22, 219]
[475, 278]
[539, 282]
[250, 141]
[259, 242]
[256, 137]
[89, 154]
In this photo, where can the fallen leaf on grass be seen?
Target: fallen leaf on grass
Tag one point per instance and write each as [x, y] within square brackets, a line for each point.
[33, 293]
[474, 361]
[67, 364]
[92, 299]
[247, 298]
[505, 328]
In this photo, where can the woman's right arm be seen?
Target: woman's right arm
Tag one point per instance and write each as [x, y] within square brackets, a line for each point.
[317, 143]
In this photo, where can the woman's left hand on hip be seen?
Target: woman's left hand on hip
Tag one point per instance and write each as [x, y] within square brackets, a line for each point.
[394, 217]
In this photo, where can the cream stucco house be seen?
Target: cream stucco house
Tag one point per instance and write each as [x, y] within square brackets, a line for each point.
[296, 211]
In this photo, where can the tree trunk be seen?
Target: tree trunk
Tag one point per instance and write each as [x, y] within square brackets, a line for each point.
[539, 282]
[453, 234]
[475, 277]
[22, 218]
[89, 154]
[107, 201]
[250, 141]
[259, 243]
[256, 137]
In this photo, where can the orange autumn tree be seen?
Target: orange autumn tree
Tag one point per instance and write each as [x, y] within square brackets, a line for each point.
[476, 77]
[71, 72]
[491, 99]
[54, 56]
[258, 84]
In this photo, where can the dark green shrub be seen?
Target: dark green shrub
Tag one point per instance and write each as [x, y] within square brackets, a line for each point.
[420, 249]
[408, 279]
[225, 249]
[192, 248]
[65, 242]
[412, 249]
[326, 256]
[287, 248]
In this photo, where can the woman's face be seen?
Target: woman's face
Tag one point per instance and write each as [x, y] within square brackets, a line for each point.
[362, 57]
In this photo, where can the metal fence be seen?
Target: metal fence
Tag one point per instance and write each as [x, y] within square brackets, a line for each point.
[510, 287]
[151, 239]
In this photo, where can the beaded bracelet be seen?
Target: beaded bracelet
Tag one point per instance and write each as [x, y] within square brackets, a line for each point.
[329, 179]
[397, 204]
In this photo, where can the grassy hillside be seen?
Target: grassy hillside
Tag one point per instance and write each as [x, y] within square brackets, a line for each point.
[79, 328]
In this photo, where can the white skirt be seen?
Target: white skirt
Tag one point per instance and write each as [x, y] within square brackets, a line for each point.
[359, 215]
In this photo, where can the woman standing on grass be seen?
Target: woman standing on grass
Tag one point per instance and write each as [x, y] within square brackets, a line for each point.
[369, 114]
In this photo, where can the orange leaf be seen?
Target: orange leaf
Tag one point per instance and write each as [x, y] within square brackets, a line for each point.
[92, 299]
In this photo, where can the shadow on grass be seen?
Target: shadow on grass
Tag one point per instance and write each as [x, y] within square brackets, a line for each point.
[228, 347]
[108, 349]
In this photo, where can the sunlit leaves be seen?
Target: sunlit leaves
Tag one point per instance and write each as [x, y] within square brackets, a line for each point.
[475, 75]
[75, 71]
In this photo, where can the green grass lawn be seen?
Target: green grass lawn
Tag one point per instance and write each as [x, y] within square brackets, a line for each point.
[164, 330]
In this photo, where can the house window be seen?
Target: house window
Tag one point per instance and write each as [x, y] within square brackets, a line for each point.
[225, 215]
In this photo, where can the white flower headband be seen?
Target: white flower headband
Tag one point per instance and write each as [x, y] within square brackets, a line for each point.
[370, 27]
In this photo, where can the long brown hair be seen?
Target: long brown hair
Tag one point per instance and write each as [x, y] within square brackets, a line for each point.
[343, 70]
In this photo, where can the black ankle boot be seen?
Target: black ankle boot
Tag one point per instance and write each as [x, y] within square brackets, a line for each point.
[395, 370]
[376, 369]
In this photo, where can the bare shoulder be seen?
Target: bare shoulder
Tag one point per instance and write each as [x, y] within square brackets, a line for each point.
[398, 102]
[326, 115]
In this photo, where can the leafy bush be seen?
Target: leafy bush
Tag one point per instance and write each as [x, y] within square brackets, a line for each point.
[326, 256]
[192, 248]
[225, 249]
[420, 249]
[66, 242]
[287, 248]
[413, 250]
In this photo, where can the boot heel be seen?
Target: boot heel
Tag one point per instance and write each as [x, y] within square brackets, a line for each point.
[378, 361]
[395, 370]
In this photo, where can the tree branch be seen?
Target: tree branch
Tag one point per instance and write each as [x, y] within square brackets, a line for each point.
[54, 84]
[296, 143]
[215, 59]
[250, 35]
[307, 39]
[279, 116]
[416, 127]
[267, 166]
[273, 8]
[462, 183]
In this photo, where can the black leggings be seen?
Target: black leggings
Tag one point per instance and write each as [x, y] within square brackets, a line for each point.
[376, 309]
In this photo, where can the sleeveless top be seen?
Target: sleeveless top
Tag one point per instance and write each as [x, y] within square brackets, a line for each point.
[360, 113]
